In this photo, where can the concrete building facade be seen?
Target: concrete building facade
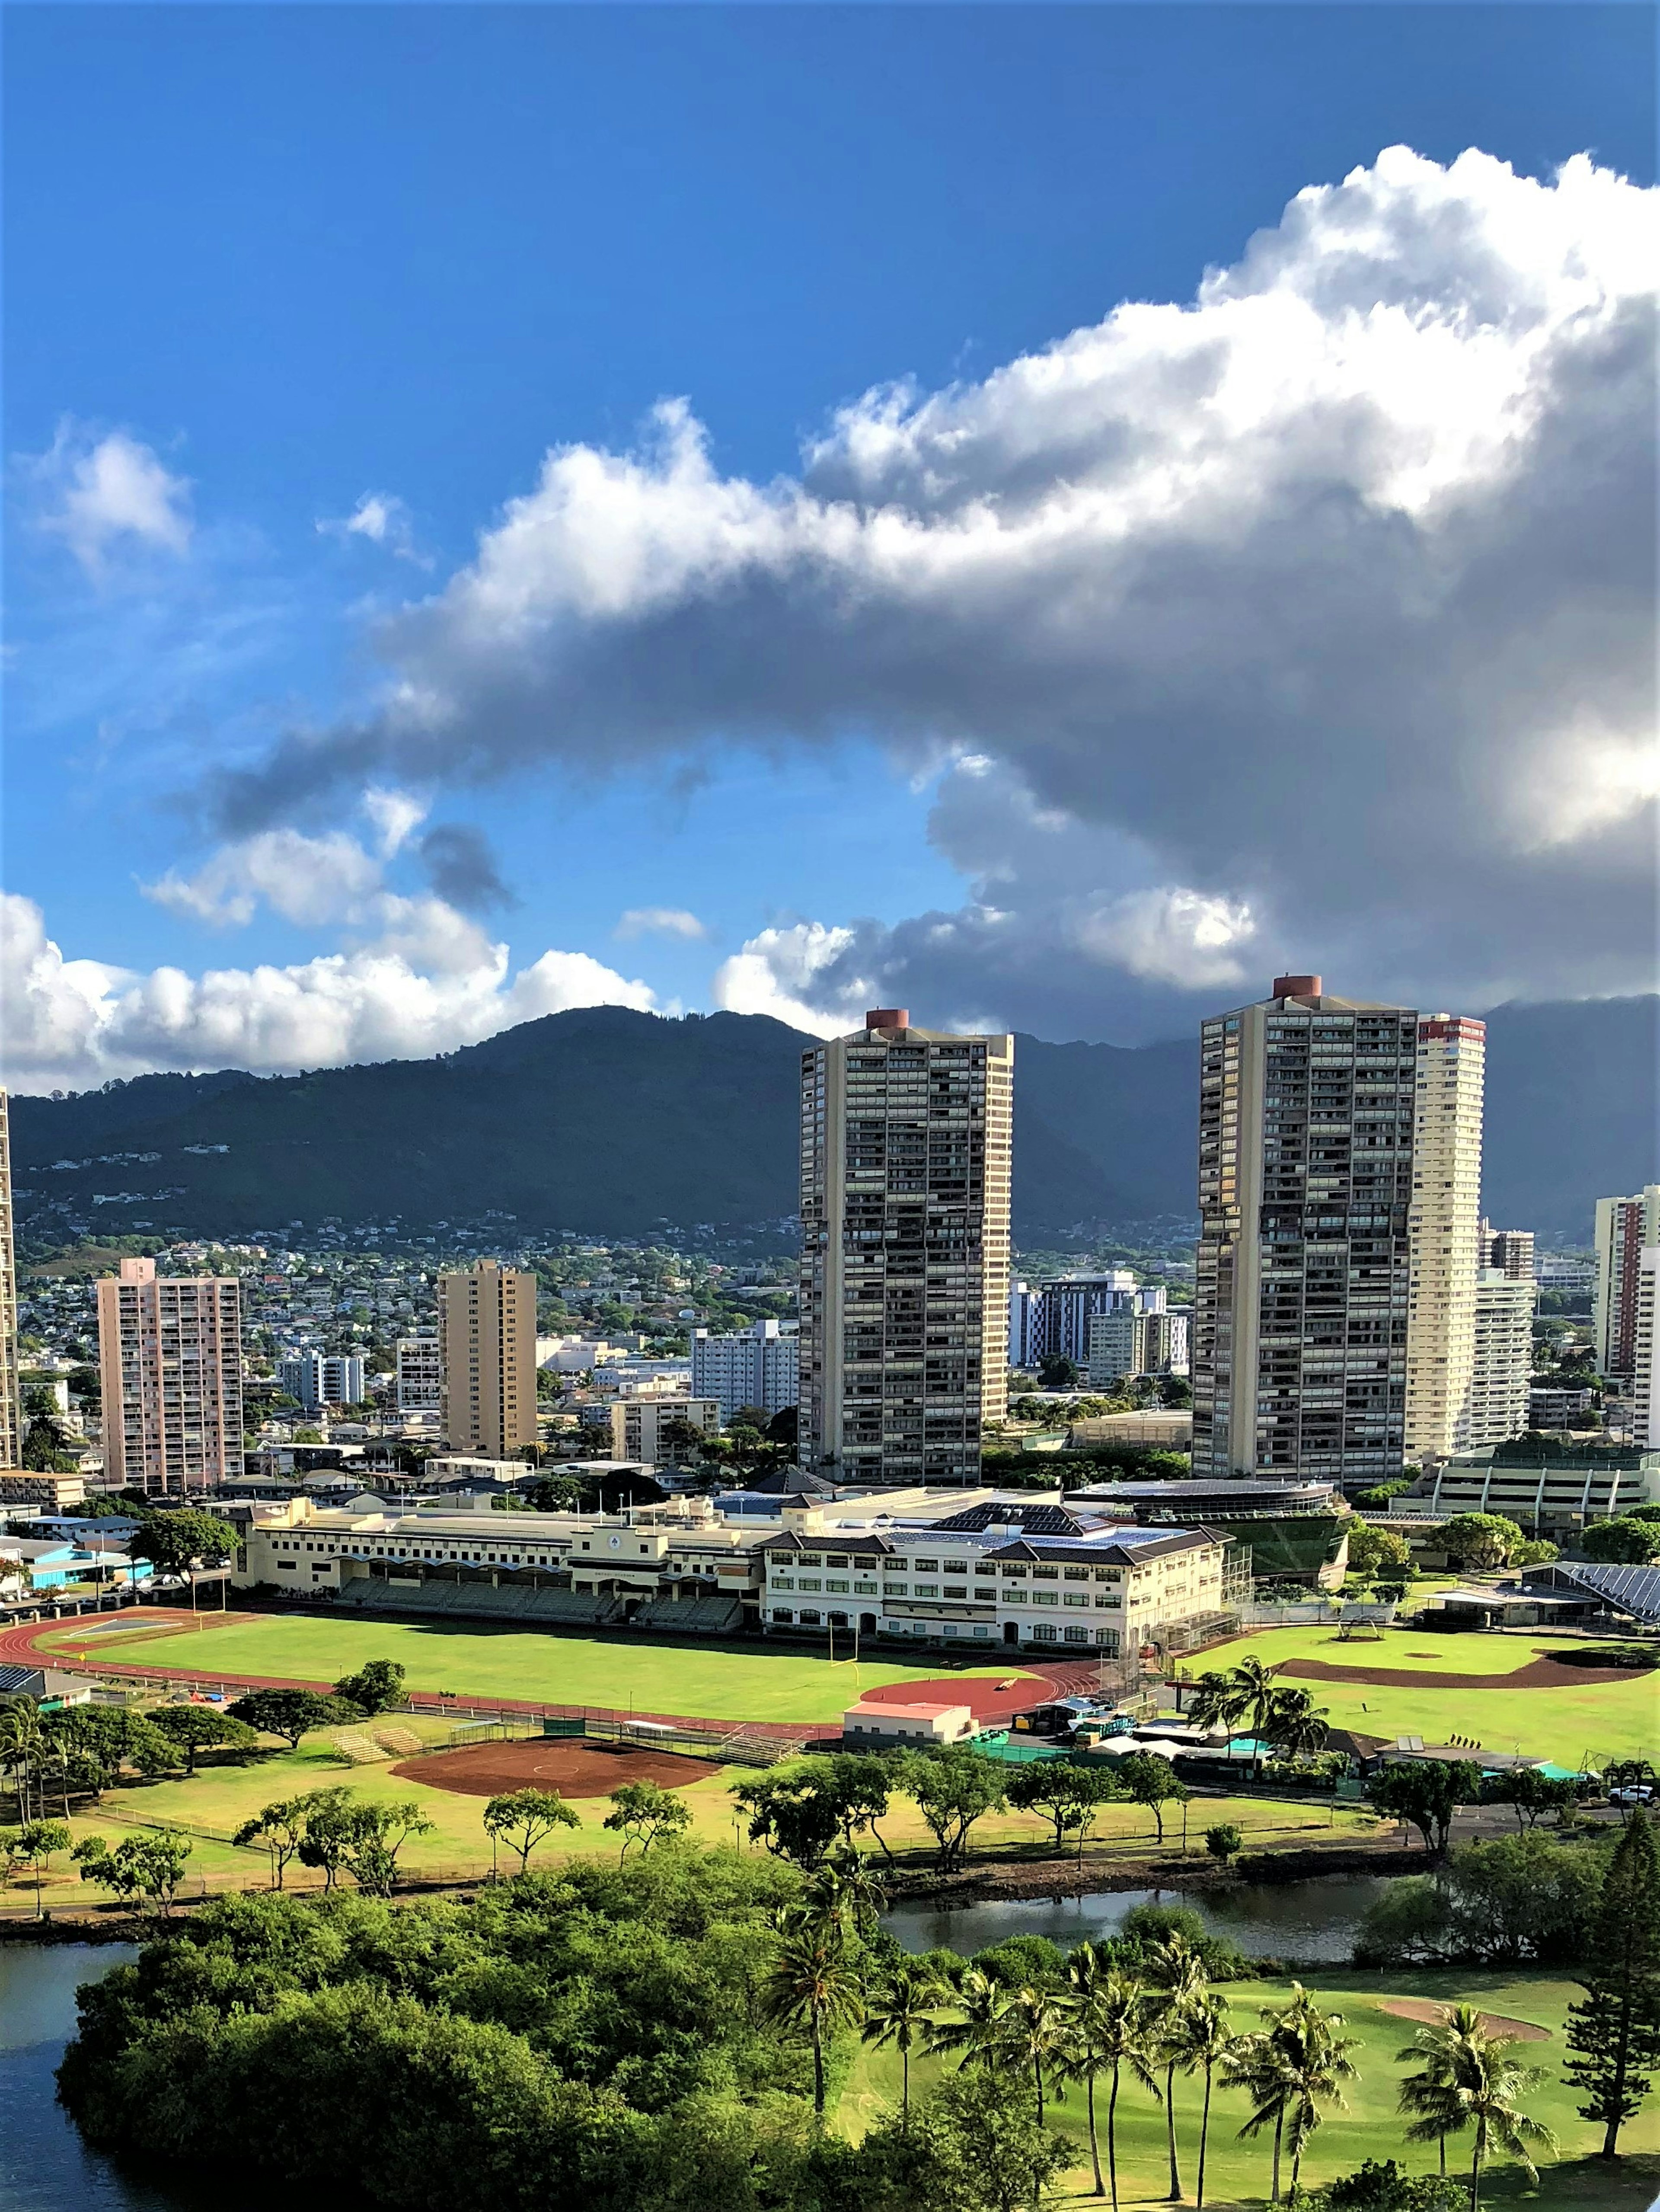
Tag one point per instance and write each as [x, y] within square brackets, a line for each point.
[1510, 1250]
[170, 1363]
[1625, 1227]
[1645, 1367]
[1502, 1370]
[905, 1143]
[420, 1374]
[1444, 1224]
[1303, 1278]
[1127, 1343]
[760, 1366]
[322, 1378]
[11, 1404]
[486, 1339]
[637, 1426]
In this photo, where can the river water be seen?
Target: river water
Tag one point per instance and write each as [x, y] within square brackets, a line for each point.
[1299, 1920]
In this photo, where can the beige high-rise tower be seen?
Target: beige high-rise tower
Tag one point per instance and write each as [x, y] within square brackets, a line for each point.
[906, 1137]
[11, 1410]
[1446, 1225]
[487, 1349]
[170, 1363]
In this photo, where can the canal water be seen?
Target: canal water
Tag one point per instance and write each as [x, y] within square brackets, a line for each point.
[1308, 1921]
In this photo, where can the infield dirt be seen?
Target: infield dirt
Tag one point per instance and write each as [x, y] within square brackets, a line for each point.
[575, 1769]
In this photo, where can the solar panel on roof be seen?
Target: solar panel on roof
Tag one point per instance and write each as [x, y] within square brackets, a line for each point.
[1636, 1589]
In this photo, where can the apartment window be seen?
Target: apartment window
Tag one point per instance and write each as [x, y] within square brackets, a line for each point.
[1045, 1597]
[1046, 1632]
[782, 1612]
[925, 1566]
[811, 1582]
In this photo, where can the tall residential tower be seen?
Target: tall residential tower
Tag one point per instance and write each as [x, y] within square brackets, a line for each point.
[170, 1364]
[1305, 1150]
[11, 1409]
[486, 1349]
[906, 1142]
[1625, 1228]
[1447, 1226]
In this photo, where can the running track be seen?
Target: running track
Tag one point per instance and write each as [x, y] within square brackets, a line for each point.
[19, 1646]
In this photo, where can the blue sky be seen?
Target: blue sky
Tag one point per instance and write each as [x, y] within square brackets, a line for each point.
[293, 257]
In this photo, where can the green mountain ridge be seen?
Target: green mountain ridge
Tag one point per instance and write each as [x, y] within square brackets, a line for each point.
[609, 1121]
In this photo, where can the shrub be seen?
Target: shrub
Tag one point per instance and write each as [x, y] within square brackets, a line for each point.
[1224, 1841]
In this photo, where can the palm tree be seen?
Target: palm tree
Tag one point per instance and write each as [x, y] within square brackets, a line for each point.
[1211, 1701]
[1315, 2063]
[1107, 2033]
[900, 2011]
[1034, 2032]
[813, 1984]
[1295, 1724]
[1254, 1688]
[1197, 2034]
[981, 2001]
[1287, 2068]
[22, 1745]
[846, 1887]
[1176, 1970]
[1468, 2079]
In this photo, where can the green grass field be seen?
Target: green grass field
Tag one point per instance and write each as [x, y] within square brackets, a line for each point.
[1237, 2173]
[1577, 1726]
[482, 1662]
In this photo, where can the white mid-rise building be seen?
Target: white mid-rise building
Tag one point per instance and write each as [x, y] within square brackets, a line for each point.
[1445, 1232]
[1502, 1369]
[1127, 1343]
[322, 1378]
[760, 1367]
[170, 1364]
[1645, 1364]
[1626, 1227]
[905, 1143]
[419, 1375]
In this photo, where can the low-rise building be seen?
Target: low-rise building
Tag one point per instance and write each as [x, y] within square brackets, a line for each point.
[1549, 1495]
[49, 1493]
[640, 1427]
[1156, 1429]
[1102, 1593]
[1125, 1343]
[886, 1724]
[1296, 1531]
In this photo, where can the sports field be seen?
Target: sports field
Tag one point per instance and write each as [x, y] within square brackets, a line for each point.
[1238, 2173]
[482, 1662]
[1581, 1725]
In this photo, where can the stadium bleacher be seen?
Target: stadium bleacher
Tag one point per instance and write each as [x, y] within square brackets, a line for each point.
[555, 1608]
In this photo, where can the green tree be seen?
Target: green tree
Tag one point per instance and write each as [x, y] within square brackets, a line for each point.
[1614, 2032]
[1288, 2069]
[1177, 1976]
[1151, 1782]
[1033, 2034]
[953, 1788]
[1224, 1841]
[1198, 2035]
[279, 1830]
[287, 1713]
[1467, 2078]
[45, 1447]
[899, 2012]
[1246, 1693]
[1427, 1792]
[813, 1986]
[1296, 1726]
[522, 1819]
[1625, 1542]
[376, 1832]
[150, 1867]
[983, 2148]
[35, 1844]
[1373, 1550]
[196, 1728]
[1059, 1791]
[1476, 1543]
[1108, 2035]
[643, 1812]
[376, 1686]
[181, 1537]
[974, 2034]
[327, 1835]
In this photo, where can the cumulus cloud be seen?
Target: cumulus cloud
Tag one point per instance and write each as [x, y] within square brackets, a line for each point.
[310, 880]
[382, 519]
[659, 921]
[432, 982]
[1314, 615]
[103, 492]
[806, 974]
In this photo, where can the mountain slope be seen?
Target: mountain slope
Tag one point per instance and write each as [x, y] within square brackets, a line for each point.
[604, 1119]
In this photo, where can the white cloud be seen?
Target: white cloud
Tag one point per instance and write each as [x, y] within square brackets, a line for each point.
[310, 880]
[383, 519]
[659, 921]
[393, 815]
[104, 491]
[433, 981]
[1326, 597]
[787, 973]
